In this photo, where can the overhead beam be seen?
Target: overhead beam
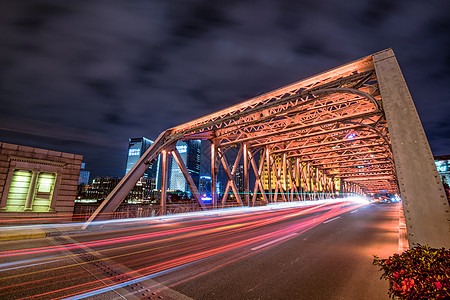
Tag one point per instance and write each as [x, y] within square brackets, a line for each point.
[335, 150]
[319, 158]
[303, 136]
[295, 128]
[307, 146]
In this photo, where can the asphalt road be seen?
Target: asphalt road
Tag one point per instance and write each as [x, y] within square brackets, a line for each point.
[318, 252]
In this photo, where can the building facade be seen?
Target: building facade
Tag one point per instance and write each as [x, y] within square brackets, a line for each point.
[37, 185]
[136, 148]
[278, 175]
[204, 186]
[84, 176]
[443, 168]
[101, 187]
[190, 154]
[239, 178]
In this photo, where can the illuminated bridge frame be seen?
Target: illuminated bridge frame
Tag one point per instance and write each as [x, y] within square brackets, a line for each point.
[353, 129]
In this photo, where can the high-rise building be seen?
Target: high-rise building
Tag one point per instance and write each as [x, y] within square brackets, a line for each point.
[190, 154]
[136, 148]
[204, 186]
[443, 167]
[284, 177]
[84, 176]
[239, 178]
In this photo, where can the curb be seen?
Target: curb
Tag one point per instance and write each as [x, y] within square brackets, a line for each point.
[403, 243]
[22, 236]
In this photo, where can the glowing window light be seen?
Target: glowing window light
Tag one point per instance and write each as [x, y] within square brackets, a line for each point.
[44, 191]
[181, 148]
[45, 183]
[18, 190]
[134, 152]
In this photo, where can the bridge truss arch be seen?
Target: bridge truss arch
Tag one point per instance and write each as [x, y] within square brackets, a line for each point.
[353, 129]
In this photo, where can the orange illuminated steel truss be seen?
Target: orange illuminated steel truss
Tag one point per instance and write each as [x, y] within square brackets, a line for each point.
[322, 136]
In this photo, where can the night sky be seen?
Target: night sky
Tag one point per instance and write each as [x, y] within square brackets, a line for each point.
[84, 76]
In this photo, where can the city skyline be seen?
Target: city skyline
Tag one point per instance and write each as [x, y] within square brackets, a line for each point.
[83, 78]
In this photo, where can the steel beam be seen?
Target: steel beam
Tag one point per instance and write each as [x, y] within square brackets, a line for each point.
[310, 122]
[119, 193]
[246, 177]
[425, 204]
[230, 175]
[187, 176]
[258, 183]
[164, 181]
[214, 166]
[269, 172]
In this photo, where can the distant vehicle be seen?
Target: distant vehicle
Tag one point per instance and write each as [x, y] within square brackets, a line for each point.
[384, 199]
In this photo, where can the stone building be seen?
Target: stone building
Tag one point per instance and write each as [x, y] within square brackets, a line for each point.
[37, 185]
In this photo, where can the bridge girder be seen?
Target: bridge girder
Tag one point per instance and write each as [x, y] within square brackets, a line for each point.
[332, 133]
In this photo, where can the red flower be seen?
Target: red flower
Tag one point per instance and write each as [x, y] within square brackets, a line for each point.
[438, 285]
[407, 284]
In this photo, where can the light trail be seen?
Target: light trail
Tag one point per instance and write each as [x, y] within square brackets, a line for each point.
[127, 239]
[274, 241]
[331, 220]
[158, 253]
[200, 232]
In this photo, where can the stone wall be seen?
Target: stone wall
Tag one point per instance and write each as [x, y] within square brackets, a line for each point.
[58, 203]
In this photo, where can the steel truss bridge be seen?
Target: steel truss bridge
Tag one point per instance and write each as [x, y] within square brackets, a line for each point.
[353, 129]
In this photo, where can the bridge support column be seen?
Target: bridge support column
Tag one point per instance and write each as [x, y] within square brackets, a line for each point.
[426, 208]
[246, 179]
[214, 167]
[298, 180]
[164, 180]
[269, 173]
[230, 174]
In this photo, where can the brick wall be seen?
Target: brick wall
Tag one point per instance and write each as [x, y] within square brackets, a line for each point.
[65, 165]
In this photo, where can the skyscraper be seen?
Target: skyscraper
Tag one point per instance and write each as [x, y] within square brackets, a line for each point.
[204, 186]
[239, 178]
[136, 148]
[190, 154]
[84, 176]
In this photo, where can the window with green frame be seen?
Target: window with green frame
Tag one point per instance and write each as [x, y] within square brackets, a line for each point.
[22, 198]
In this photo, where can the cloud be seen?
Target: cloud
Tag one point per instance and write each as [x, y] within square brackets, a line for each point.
[97, 72]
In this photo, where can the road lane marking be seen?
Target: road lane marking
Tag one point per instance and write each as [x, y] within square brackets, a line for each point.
[328, 221]
[274, 241]
[354, 211]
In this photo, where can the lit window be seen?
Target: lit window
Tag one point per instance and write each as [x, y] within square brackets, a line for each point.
[18, 191]
[45, 184]
[20, 198]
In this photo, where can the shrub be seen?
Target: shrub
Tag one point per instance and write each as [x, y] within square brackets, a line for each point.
[418, 273]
